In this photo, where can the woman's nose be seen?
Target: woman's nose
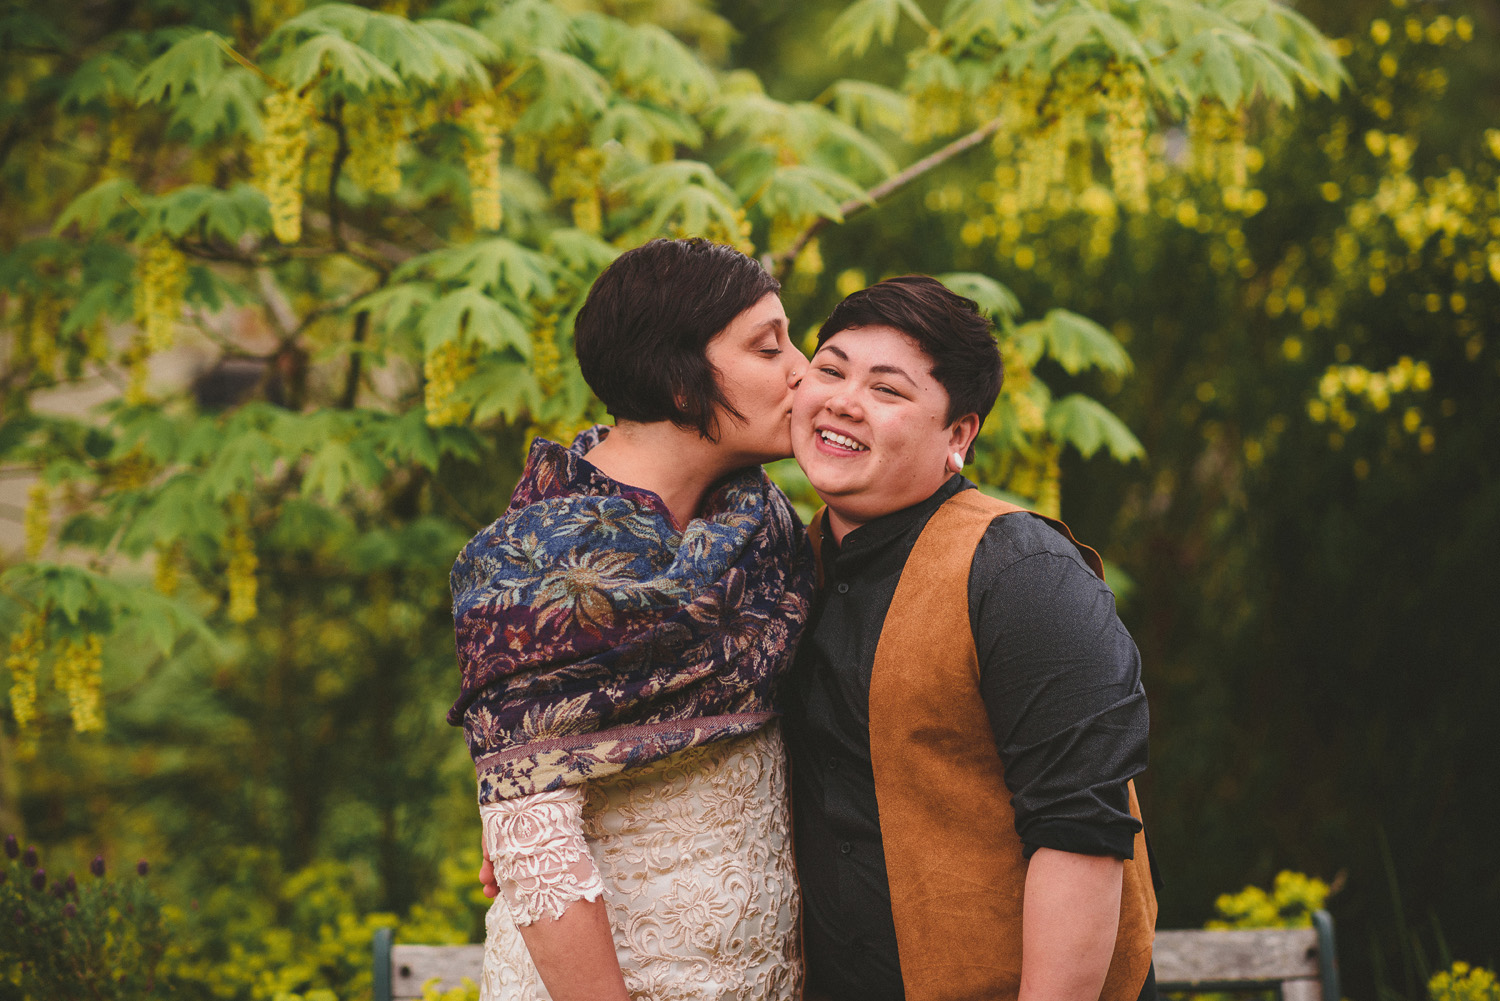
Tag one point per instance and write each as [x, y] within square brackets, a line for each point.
[796, 366]
[843, 405]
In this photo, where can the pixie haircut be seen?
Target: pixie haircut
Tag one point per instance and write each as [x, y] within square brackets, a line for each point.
[949, 328]
[643, 331]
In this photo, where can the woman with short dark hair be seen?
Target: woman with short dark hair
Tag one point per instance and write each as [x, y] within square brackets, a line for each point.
[622, 631]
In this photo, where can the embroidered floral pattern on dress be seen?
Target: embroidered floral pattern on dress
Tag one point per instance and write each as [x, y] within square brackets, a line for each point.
[542, 863]
[694, 852]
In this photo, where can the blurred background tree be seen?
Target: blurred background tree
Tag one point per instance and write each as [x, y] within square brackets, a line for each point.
[317, 266]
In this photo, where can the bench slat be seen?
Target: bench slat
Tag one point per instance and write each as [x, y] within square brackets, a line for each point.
[1184, 957]
[414, 965]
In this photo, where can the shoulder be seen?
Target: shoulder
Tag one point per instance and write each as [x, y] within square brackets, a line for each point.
[1013, 539]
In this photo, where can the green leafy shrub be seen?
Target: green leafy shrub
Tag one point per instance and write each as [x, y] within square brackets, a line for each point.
[95, 938]
[312, 941]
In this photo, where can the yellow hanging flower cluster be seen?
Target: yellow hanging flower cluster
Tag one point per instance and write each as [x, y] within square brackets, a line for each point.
[443, 369]
[1049, 492]
[577, 178]
[121, 143]
[267, 14]
[282, 156]
[134, 359]
[735, 234]
[37, 518]
[1124, 101]
[376, 130]
[95, 342]
[160, 282]
[23, 660]
[934, 111]
[1104, 220]
[78, 673]
[42, 333]
[785, 231]
[1219, 153]
[1035, 474]
[809, 263]
[1462, 982]
[546, 358]
[242, 564]
[482, 161]
[1055, 152]
[166, 576]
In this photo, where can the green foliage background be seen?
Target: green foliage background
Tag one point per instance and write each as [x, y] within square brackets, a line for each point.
[362, 233]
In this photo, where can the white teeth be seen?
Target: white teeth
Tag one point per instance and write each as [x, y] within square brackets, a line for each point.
[837, 439]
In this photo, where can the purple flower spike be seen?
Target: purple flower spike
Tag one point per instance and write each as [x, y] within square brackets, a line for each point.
[70, 884]
[39, 879]
[12, 847]
[97, 866]
[143, 867]
[28, 859]
[69, 911]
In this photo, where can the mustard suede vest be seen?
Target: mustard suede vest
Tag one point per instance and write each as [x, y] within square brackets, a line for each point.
[952, 855]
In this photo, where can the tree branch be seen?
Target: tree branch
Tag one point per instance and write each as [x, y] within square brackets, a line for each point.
[340, 154]
[781, 263]
[351, 380]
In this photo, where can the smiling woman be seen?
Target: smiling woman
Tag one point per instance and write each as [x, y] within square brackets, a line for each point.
[622, 630]
[903, 377]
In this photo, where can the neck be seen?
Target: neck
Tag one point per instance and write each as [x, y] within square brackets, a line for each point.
[677, 465]
[840, 526]
[844, 518]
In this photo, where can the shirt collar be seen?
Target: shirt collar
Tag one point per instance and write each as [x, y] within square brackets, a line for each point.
[874, 536]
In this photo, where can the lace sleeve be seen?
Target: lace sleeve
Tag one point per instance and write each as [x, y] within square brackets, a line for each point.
[542, 863]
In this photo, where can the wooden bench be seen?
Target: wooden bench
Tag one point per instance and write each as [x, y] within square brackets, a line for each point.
[1298, 963]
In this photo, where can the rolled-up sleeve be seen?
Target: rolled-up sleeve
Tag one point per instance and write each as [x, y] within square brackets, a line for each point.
[1061, 680]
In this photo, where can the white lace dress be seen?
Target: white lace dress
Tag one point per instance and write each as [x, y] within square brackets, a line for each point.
[693, 858]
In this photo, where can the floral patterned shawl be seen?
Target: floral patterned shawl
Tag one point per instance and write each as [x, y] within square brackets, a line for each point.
[593, 636]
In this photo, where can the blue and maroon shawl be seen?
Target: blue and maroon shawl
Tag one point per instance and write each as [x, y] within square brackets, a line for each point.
[594, 636]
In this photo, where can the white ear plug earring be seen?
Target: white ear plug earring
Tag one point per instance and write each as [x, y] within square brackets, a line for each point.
[957, 461]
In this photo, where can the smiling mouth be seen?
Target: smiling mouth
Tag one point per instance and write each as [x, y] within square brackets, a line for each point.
[841, 441]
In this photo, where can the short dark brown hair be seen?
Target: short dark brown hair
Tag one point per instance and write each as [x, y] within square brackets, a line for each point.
[949, 327]
[643, 331]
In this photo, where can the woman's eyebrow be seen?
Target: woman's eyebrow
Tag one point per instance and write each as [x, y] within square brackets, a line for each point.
[892, 370]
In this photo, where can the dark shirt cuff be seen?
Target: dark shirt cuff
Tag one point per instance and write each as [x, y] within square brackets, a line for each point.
[1117, 840]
